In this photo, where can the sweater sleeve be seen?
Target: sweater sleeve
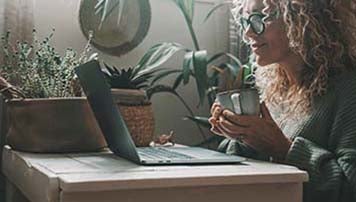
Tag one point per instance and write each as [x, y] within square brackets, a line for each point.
[236, 147]
[332, 171]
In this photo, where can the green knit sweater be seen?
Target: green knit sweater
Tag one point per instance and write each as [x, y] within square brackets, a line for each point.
[324, 145]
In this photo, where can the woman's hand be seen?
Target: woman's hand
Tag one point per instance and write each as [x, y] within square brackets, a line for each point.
[216, 111]
[260, 133]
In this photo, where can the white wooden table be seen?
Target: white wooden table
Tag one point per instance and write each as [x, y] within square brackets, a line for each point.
[103, 177]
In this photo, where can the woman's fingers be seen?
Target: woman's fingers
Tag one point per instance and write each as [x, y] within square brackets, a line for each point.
[216, 112]
[213, 121]
[217, 131]
[214, 106]
[231, 129]
[234, 135]
[239, 120]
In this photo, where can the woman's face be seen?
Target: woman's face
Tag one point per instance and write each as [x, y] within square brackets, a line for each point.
[272, 45]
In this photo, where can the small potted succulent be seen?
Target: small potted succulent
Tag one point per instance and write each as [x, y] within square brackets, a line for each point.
[127, 88]
[44, 112]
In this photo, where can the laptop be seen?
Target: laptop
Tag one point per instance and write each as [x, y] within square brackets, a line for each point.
[118, 136]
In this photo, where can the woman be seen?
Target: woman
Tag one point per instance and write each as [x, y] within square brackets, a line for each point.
[306, 53]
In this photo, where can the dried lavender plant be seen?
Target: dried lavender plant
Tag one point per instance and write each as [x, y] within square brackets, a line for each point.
[38, 70]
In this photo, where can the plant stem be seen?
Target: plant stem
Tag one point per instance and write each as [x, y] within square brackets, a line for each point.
[191, 114]
[189, 21]
[193, 35]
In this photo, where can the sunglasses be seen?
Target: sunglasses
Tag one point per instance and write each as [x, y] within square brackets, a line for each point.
[257, 21]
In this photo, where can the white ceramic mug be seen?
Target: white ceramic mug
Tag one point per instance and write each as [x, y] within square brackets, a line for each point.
[241, 101]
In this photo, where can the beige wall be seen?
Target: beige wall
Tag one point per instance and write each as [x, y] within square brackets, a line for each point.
[167, 25]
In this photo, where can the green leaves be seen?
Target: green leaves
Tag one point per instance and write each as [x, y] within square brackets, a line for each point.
[196, 64]
[126, 79]
[233, 68]
[156, 56]
[200, 70]
[203, 121]
[38, 70]
[187, 65]
[164, 74]
[187, 8]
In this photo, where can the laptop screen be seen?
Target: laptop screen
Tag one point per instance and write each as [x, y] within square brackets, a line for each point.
[105, 111]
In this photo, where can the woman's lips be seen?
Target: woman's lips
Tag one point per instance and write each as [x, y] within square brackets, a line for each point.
[257, 46]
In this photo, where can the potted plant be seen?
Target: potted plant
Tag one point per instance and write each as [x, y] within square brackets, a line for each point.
[198, 66]
[127, 88]
[203, 69]
[44, 112]
[132, 89]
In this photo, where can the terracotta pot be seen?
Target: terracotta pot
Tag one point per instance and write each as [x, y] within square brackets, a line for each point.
[53, 125]
[137, 112]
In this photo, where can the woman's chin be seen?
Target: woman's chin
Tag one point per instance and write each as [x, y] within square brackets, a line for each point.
[262, 61]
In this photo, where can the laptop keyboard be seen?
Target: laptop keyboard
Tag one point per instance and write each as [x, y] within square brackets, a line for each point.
[161, 153]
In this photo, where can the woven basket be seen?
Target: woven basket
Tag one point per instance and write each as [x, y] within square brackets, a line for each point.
[137, 113]
[140, 122]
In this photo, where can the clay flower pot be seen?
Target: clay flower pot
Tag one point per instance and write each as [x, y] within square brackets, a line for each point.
[53, 125]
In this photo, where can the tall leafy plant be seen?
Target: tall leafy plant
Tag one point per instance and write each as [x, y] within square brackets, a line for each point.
[197, 64]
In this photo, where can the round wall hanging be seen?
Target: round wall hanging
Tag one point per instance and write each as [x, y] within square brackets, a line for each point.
[120, 33]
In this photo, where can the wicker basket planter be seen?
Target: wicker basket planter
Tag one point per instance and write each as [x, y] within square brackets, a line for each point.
[53, 125]
[137, 113]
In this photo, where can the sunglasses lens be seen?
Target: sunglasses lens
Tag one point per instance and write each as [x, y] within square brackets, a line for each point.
[257, 24]
[244, 23]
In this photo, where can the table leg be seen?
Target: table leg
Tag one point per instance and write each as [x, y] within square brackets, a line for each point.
[13, 194]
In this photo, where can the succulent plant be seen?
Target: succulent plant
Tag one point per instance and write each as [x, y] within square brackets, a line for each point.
[146, 72]
[127, 78]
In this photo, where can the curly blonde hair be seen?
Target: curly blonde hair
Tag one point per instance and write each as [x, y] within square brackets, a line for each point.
[323, 33]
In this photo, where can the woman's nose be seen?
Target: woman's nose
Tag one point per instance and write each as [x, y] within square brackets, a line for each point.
[249, 33]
